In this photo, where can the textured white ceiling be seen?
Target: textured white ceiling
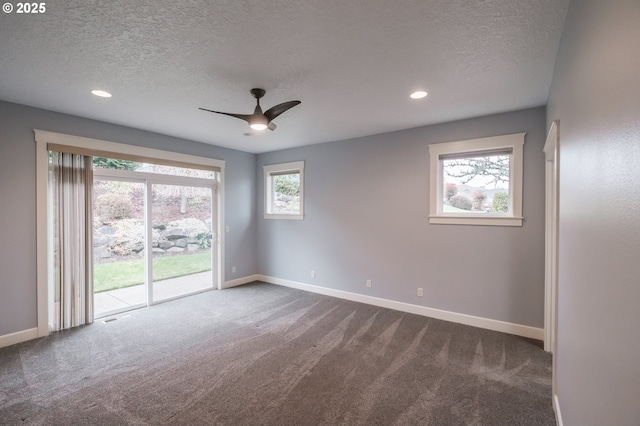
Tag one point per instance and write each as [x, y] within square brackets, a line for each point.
[352, 63]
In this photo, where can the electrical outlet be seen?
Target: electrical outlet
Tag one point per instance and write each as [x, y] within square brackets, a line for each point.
[233, 269]
[313, 274]
[420, 292]
[227, 228]
[369, 283]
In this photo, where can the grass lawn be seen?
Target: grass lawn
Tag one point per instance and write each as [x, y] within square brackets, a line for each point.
[450, 209]
[127, 273]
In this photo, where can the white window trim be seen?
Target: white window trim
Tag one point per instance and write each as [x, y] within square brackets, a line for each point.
[42, 139]
[296, 166]
[515, 142]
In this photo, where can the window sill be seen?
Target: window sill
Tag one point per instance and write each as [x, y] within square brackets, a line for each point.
[284, 216]
[484, 221]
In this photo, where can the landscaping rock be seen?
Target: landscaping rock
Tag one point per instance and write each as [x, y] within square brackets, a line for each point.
[166, 244]
[101, 253]
[125, 237]
[100, 240]
[173, 234]
[191, 226]
[107, 230]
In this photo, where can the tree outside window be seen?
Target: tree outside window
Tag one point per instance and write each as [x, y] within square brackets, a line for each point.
[477, 181]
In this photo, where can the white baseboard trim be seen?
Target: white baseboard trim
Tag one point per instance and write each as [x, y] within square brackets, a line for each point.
[18, 337]
[242, 280]
[490, 324]
[486, 323]
[556, 409]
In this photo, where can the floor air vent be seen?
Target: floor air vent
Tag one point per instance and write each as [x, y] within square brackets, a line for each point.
[115, 318]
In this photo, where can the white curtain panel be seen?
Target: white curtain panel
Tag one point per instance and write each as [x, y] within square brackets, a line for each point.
[70, 186]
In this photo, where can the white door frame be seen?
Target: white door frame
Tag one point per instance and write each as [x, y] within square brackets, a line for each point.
[148, 180]
[42, 139]
[551, 151]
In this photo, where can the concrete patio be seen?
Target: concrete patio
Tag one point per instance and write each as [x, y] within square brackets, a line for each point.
[117, 300]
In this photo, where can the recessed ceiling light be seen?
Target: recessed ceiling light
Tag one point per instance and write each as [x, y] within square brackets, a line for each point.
[101, 93]
[418, 95]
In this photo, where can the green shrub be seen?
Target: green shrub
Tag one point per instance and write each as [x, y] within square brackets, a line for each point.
[287, 184]
[129, 233]
[113, 207]
[204, 240]
[112, 163]
[461, 202]
[196, 201]
[500, 202]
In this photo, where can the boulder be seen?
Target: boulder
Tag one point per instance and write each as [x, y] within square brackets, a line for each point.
[101, 253]
[173, 234]
[193, 247]
[175, 250]
[182, 242]
[166, 244]
[100, 240]
[191, 226]
[106, 230]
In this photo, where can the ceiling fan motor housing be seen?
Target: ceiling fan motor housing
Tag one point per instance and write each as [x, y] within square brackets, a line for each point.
[257, 93]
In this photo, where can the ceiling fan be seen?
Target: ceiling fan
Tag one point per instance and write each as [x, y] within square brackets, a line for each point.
[259, 120]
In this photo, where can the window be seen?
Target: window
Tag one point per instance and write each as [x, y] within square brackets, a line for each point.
[284, 191]
[477, 181]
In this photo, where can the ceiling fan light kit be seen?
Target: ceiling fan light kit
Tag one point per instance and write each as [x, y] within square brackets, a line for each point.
[258, 126]
[259, 120]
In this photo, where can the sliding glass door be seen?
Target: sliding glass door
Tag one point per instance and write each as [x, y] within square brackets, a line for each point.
[154, 237]
[181, 255]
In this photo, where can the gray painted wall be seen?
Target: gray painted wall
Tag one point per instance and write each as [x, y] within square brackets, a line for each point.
[18, 200]
[366, 206]
[596, 96]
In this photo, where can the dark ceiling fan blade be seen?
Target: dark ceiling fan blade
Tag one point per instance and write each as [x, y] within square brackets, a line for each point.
[245, 117]
[259, 120]
[275, 111]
